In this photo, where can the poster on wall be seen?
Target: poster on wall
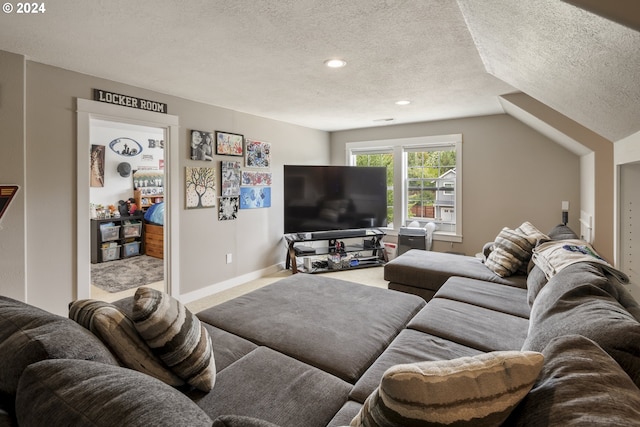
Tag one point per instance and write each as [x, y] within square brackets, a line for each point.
[201, 145]
[230, 178]
[256, 178]
[258, 154]
[228, 209]
[255, 197]
[149, 182]
[229, 144]
[97, 165]
[200, 187]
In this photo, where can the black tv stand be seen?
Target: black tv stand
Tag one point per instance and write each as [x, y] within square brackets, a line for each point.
[336, 255]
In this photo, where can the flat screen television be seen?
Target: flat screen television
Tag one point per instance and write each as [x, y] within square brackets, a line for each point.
[327, 198]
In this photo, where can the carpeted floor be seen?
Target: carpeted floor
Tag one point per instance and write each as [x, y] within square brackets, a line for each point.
[123, 274]
[373, 276]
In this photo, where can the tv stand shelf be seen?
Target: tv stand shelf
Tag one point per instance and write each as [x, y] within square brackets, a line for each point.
[336, 255]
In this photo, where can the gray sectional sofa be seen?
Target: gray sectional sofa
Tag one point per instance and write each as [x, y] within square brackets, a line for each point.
[423, 272]
[310, 350]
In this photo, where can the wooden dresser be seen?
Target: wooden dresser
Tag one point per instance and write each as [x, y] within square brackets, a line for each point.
[154, 240]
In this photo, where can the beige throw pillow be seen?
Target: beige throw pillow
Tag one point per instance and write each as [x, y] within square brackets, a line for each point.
[513, 249]
[176, 336]
[475, 391]
[118, 333]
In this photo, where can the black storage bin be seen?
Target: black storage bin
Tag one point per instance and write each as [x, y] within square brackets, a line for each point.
[411, 238]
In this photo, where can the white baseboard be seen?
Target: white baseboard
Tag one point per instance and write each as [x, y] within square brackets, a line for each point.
[228, 284]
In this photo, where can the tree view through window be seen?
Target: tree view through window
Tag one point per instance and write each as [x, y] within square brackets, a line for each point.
[431, 181]
[386, 160]
[424, 180]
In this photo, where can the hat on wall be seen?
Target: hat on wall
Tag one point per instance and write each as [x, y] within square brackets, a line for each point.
[124, 169]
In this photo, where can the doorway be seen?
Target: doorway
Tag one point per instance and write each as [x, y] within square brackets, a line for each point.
[95, 122]
[126, 191]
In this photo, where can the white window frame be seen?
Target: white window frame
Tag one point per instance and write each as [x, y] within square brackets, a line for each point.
[399, 147]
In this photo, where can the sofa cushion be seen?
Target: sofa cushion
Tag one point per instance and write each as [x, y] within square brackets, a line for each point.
[425, 294]
[581, 300]
[580, 385]
[271, 386]
[29, 334]
[471, 326]
[119, 333]
[410, 346]
[340, 327]
[627, 300]
[535, 282]
[238, 421]
[506, 299]
[562, 232]
[78, 392]
[469, 391]
[536, 278]
[430, 270]
[512, 249]
[227, 347]
[347, 413]
[176, 336]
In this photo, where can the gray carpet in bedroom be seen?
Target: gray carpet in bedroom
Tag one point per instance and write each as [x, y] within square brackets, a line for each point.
[123, 274]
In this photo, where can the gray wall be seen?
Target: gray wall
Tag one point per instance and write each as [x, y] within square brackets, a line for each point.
[12, 157]
[254, 239]
[511, 174]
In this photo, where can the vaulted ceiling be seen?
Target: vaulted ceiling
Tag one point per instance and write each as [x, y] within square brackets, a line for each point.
[449, 58]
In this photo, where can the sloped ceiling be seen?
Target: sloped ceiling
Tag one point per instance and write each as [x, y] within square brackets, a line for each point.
[265, 57]
[578, 63]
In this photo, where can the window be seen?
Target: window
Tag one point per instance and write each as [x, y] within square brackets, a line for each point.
[381, 158]
[431, 183]
[427, 183]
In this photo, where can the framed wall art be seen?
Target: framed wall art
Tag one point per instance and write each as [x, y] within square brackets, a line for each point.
[255, 197]
[201, 145]
[256, 178]
[230, 181]
[229, 144]
[97, 165]
[149, 179]
[228, 209]
[200, 187]
[258, 154]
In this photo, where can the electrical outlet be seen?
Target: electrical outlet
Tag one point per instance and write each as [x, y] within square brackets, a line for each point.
[229, 258]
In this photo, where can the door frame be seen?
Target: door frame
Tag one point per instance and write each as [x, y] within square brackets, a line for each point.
[88, 110]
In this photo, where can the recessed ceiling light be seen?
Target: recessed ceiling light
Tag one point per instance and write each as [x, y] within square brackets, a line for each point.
[335, 63]
[403, 102]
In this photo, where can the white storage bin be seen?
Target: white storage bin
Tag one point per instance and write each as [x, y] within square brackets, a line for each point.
[110, 232]
[131, 249]
[110, 253]
[132, 230]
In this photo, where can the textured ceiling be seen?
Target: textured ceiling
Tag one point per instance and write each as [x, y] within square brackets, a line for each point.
[575, 62]
[451, 59]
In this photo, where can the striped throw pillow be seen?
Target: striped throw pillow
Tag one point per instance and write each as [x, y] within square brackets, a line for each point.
[513, 248]
[176, 336]
[469, 391]
[119, 334]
